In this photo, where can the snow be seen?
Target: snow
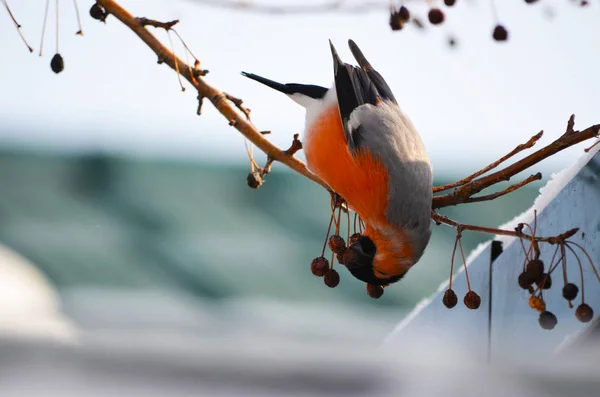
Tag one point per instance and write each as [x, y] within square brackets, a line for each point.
[29, 305]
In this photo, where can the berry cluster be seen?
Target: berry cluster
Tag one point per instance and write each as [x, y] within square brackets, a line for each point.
[534, 274]
[321, 267]
[399, 17]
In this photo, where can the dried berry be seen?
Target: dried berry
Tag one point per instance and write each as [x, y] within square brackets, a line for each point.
[544, 282]
[254, 180]
[337, 245]
[332, 278]
[584, 313]
[57, 64]
[449, 3]
[450, 299]
[535, 269]
[524, 281]
[570, 291]
[340, 258]
[547, 320]
[537, 304]
[404, 13]
[319, 266]
[396, 21]
[472, 300]
[436, 16]
[98, 12]
[354, 238]
[374, 291]
[500, 33]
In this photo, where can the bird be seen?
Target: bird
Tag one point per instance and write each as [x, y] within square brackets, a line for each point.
[358, 141]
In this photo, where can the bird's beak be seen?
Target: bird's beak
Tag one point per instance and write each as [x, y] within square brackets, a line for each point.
[360, 254]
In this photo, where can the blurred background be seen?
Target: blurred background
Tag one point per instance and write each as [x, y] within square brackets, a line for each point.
[122, 210]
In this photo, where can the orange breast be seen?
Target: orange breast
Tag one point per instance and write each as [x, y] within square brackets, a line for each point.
[360, 178]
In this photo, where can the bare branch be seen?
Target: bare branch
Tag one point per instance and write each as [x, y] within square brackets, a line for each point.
[205, 90]
[508, 190]
[463, 193]
[441, 219]
[518, 149]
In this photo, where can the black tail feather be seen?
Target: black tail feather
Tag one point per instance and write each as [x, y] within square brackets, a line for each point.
[313, 91]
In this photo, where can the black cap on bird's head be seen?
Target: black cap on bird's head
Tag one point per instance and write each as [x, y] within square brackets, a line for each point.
[358, 259]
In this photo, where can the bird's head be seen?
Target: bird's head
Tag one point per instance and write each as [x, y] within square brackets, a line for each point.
[382, 256]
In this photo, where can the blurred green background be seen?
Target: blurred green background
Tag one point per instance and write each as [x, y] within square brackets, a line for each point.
[102, 223]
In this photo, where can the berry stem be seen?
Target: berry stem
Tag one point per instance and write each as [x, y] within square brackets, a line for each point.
[57, 26]
[176, 63]
[564, 261]
[327, 235]
[580, 273]
[589, 259]
[462, 253]
[44, 26]
[80, 31]
[551, 269]
[452, 262]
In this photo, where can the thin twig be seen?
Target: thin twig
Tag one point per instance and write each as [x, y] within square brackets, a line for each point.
[466, 191]
[44, 26]
[491, 166]
[508, 190]
[17, 25]
[205, 90]
[441, 219]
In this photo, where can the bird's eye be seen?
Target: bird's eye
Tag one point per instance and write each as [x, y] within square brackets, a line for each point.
[367, 245]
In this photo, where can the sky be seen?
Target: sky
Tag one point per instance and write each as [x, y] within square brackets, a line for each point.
[471, 104]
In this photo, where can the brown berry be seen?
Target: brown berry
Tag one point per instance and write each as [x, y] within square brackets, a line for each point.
[319, 266]
[337, 245]
[404, 13]
[354, 238]
[584, 313]
[570, 291]
[450, 299]
[254, 180]
[537, 304]
[340, 258]
[500, 33]
[535, 269]
[57, 64]
[472, 300]
[374, 291]
[97, 12]
[436, 16]
[449, 3]
[524, 281]
[544, 282]
[396, 22]
[332, 278]
[547, 320]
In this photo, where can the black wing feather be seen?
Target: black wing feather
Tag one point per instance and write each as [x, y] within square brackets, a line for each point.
[356, 86]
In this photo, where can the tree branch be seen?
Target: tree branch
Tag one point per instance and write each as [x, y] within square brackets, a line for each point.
[441, 219]
[465, 191]
[491, 166]
[215, 96]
